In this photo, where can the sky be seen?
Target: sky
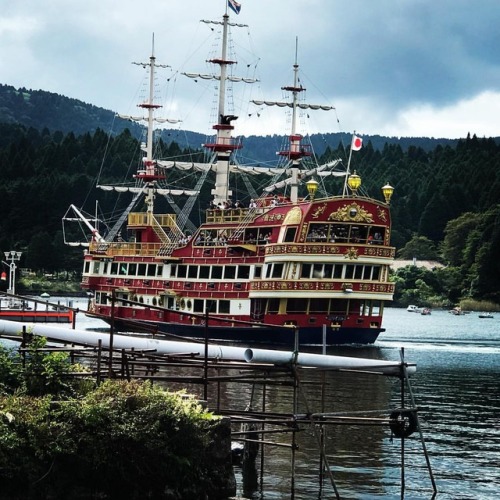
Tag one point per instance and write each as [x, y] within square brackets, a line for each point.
[399, 68]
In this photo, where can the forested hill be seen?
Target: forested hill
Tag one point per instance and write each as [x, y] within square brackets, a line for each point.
[40, 109]
[53, 152]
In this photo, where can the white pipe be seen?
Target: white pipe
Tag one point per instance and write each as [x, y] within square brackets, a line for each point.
[85, 337]
[326, 361]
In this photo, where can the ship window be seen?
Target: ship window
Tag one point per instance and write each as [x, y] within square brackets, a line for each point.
[229, 272]
[204, 272]
[86, 267]
[224, 306]
[339, 234]
[328, 270]
[317, 232]
[306, 271]
[290, 234]
[132, 269]
[114, 268]
[268, 268]
[243, 272]
[217, 272]
[367, 273]
[296, 305]
[141, 270]
[318, 271]
[349, 271]
[193, 272]
[338, 307]
[273, 306]
[198, 305]
[257, 272]
[122, 268]
[358, 272]
[277, 270]
[376, 273]
[319, 306]
[151, 269]
[181, 271]
[95, 268]
[337, 271]
[159, 270]
[173, 271]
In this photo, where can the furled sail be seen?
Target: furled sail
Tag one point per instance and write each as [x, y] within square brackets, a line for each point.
[145, 118]
[292, 105]
[162, 191]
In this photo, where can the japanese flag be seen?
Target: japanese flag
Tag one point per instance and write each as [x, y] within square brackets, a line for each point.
[356, 143]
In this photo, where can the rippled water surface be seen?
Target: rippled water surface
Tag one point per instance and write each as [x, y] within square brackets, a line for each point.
[456, 389]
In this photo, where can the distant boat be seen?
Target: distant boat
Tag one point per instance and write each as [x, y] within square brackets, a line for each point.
[414, 309]
[486, 315]
[31, 310]
[457, 311]
[425, 311]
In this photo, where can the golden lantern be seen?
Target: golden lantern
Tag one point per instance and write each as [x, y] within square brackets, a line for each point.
[312, 187]
[354, 182]
[387, 191]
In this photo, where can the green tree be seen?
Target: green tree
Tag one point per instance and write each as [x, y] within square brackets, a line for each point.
[40, 252]
[419, 247]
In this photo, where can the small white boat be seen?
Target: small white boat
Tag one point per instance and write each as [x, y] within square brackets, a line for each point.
[486, 315]
[413, 309]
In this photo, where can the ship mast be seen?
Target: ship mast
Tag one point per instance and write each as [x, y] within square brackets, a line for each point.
[296, 150]
[149, 173]
[224, 143]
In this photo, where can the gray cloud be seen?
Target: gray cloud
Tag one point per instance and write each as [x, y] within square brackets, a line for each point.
[386, 65]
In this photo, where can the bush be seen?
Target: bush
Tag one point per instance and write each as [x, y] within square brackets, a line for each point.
[122, 440]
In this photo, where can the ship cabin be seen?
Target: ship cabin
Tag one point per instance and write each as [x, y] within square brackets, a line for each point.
[303, 264]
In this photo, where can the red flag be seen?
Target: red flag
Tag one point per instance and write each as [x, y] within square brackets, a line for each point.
[356, 143]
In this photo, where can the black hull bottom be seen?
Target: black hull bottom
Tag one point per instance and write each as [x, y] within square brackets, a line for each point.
[262, 335]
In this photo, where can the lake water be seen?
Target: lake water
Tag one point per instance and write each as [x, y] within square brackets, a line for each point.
[456, 389]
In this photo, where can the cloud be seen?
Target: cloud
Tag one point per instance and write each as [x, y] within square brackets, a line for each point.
[393, 68]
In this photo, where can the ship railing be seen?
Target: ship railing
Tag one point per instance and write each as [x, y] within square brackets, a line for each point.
[323, 248]
[124, 248]
[326, 287]
[142, 219]
[239, 215]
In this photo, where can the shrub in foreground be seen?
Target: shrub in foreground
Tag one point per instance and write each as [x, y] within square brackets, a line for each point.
[122, 440]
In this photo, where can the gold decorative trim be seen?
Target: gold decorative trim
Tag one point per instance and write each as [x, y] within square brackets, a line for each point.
[352, 254]
[382, 214]
[294, 216]
[319, 211]
[351, 213]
